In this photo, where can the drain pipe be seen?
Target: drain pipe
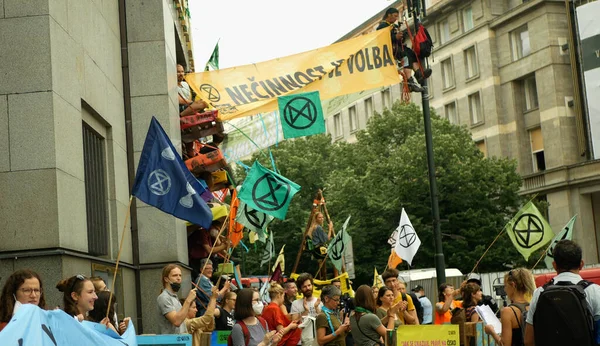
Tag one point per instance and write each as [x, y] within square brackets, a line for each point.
[130, 163]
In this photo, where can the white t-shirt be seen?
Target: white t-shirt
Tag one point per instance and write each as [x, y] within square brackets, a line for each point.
[592, 295]
[185, 90]
[308, 332]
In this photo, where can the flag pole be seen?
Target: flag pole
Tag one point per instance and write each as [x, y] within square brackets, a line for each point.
[112, 289]
[542, 256]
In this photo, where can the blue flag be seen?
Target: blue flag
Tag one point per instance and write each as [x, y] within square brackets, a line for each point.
[163, 181]
[34, 326]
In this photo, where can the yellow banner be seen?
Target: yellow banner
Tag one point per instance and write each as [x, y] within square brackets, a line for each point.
[361, 63]
[319, 284]
[434, 335]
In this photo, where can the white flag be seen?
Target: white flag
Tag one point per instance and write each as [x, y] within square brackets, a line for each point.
[407, 241]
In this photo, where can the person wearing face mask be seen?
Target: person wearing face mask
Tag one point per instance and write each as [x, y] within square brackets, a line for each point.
[330, 330]
[24, 286]
[251, 330]
[172, 312]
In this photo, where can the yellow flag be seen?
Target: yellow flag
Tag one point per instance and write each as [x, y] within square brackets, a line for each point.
[280, 260]
[361, 63]
[529, 231]
[253, 237]
[376, 279]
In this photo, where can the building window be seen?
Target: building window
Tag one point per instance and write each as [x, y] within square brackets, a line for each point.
[450, 112]
[537, 150]
[337, 125]
[94, 164]
[448, 73]
[482, 147]
[467, 19]
[387, 98]
[475, 108]
[471, 65]
[369, 107]
[353, 119]
[444, 31]
[520, 42]
[530, 94]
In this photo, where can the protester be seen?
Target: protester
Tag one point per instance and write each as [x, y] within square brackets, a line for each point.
[172, 312]
[330, 330]
[405, 56]
[79, 297]
[375, 290]
[337, 283]
[386, 311]
[426, 303]
[24, 286]
[519, 285]
[249, 329]
[205, 286]
[203, 324]
[414, 298]
[367, 329]
[306, 306]
[487, 299]
[567, 263]
[291, 293]
[187, 105]
[445, 304]
[223, 314]
[407, 313]
[101, 310]
[99, 284]
[272, 313]
[472, 295]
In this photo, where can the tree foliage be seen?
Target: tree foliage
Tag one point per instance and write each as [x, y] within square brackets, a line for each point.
[386, 170]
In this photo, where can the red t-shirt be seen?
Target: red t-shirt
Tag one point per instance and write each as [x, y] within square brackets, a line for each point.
[196, 241]
[275, 317]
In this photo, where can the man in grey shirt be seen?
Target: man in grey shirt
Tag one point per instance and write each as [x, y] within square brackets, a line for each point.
[172, 313]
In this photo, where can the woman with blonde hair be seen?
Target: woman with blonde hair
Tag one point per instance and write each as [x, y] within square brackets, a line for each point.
[519, 285]
[272, 313]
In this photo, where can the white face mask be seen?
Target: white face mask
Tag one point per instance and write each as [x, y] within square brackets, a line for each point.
[258, 308]
[18, 305]
[214, 232]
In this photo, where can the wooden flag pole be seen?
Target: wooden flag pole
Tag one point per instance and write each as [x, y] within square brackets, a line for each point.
[112, 289]
[318, 198]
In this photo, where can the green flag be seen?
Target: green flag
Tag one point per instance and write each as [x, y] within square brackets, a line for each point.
[213, 61]
[565, 233]
[338, 245]
[301, 114]
[252, 219]
[528, 230]
[268, 192]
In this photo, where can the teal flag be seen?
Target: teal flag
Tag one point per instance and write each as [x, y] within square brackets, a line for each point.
[337, 247]
[565, 233]
[301, 114]
[252, 219]
[529, 231]
[267, 192]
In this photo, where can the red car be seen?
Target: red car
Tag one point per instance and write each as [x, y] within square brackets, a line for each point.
[590, 274]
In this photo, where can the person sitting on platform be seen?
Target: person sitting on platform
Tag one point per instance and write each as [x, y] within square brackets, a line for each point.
[187, 105]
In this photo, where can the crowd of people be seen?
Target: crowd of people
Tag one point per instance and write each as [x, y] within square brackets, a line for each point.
[295, 316]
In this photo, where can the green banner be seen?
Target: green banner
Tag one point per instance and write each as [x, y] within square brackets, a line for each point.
[268, 192]
[338, 246]
[565, 233]
[529, 231]
[301, 114]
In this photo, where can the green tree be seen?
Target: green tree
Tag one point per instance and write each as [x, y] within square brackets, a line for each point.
[384, 171]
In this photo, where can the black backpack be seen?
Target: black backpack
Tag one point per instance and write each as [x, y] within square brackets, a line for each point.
[417, 304]
[563, 316]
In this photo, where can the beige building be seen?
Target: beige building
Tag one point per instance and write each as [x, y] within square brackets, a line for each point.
[503, 69]
[80, 83]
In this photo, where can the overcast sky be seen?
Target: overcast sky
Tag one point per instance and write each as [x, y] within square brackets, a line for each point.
[252, 31]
